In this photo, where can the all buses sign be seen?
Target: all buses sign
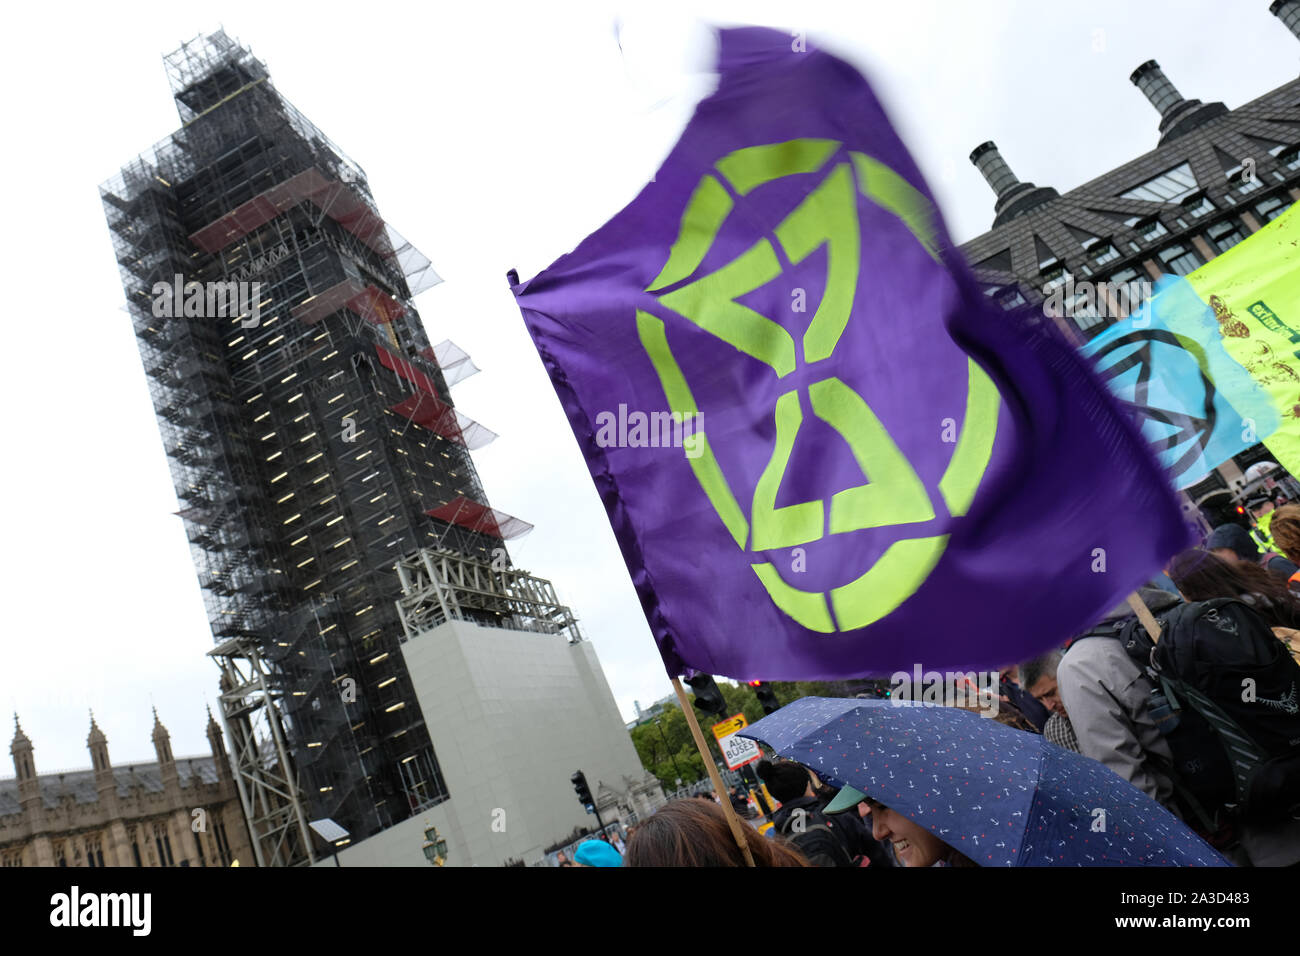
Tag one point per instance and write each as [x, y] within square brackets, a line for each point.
[736, 751]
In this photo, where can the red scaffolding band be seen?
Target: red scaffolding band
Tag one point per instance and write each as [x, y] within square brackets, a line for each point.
[332, 197]
[406, 370]
[376, 306]
[361, 299]
[470, 514]
[442, 419]
[431, 413]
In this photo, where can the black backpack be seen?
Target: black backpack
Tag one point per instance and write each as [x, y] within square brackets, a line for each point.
[1226, 695]
[817, 836]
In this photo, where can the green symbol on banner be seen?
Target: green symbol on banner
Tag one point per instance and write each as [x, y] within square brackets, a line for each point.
[893, 493]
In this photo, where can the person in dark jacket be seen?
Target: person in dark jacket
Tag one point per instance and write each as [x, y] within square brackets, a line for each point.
[1021, 699]
[1233, 543]
[800, 819]
[857, 830]
[738, 802]
[1107, 696]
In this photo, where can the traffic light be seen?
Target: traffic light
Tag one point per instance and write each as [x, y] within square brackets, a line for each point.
[708, 697]
[579, 781]
[766, 696]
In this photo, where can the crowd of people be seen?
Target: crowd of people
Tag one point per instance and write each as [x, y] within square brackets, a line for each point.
[1096, 696]
[1105, 702]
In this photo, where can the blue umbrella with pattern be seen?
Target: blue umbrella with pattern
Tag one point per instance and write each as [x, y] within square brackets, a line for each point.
[999, 796]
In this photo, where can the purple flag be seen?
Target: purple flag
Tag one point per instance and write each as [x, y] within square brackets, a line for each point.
[823, 452]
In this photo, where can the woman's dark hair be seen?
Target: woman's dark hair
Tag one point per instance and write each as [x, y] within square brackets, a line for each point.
[693, 833]
[1201, 576]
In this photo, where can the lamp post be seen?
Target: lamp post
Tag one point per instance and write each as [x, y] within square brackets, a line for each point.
[435, 846]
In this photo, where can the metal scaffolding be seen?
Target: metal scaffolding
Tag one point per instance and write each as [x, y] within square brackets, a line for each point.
[264, 774]
[440, 585]
[311, 434]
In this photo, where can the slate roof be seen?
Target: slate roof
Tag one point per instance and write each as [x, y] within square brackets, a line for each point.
[81, 783]
[1010, 252]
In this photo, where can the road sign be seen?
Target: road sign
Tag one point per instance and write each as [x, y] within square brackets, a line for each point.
[736, 751]
[725, 728]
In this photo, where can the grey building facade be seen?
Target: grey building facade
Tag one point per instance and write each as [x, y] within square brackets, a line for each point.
[1215, 176]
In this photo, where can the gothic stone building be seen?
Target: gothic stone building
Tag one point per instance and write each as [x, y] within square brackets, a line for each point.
[143, 814]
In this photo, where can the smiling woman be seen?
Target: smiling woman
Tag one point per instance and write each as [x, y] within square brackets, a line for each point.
[913, 844]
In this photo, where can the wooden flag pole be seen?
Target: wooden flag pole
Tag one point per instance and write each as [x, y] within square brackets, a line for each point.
[737, 828]
[1144, 615]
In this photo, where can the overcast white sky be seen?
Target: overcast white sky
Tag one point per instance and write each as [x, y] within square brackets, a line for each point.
[494, 136]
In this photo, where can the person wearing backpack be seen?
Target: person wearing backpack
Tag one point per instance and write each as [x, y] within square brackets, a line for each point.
[1162, 715]
[865, 849]
[1105, 693]
[800, 819]
[1202, 576]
